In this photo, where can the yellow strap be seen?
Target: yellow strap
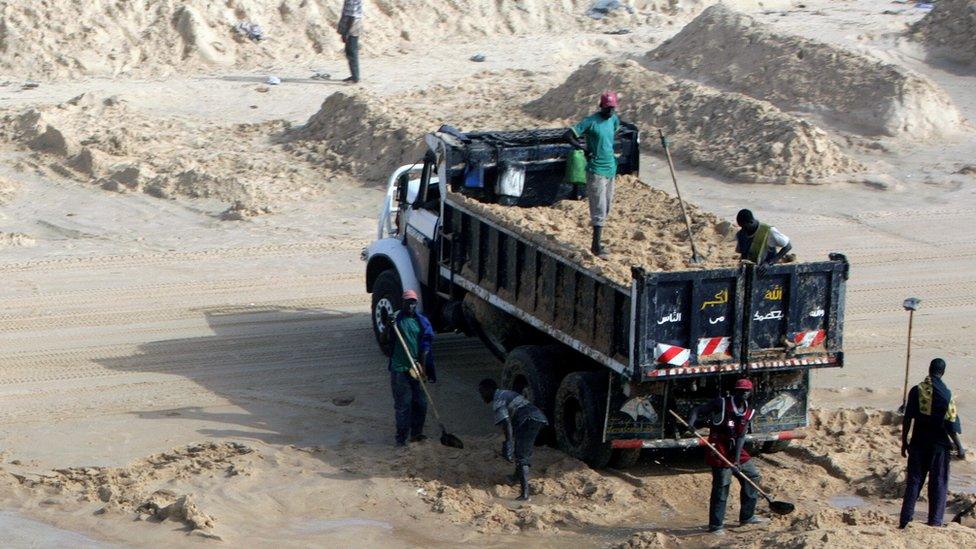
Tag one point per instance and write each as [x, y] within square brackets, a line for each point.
[925, 401]
[757, 250]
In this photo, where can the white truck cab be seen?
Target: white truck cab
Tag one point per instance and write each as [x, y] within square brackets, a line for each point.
[401, 255]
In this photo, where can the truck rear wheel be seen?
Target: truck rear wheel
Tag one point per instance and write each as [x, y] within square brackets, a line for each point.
[387, 293]
[580, 405]
[529, 372]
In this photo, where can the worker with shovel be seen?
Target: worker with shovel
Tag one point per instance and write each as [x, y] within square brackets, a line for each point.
[930, 414]
[521, 422]
[758, 242]
[596, 134]
[730, 417]
[409, 399]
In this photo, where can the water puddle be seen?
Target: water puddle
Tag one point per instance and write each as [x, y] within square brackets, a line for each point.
[319, 526]
[24, 532]
[845, 501]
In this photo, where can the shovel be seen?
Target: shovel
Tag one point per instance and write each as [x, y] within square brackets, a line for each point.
[778, 507]
[695, 258]
[447, 439]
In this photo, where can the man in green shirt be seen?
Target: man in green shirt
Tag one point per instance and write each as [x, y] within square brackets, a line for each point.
[596, 134]
[409, 401]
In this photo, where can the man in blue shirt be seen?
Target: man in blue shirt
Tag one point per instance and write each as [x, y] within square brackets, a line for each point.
[409, 401]
[596, 135]
[930, 414]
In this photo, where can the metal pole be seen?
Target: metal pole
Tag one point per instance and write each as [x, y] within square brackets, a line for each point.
[910, 305]
[908, 361]
[691, 238]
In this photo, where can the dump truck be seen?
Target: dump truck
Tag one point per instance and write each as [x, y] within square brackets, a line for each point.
[605, 361]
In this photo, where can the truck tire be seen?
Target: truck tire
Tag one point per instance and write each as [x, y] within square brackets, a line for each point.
[625, 458]
[580, 406]
[530, 371]
[387, 294]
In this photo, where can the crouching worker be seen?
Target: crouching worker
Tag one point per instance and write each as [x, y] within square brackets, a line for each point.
[409, 401]
[521, 422]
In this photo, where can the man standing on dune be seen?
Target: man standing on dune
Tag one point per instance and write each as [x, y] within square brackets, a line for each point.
[930, 415]
[350, 26]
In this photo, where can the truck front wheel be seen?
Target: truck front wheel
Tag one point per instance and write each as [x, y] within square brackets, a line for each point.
[580, 406]
[387, 293]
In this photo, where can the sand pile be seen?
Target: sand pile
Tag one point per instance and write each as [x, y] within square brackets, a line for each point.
[165, 505]
[16, 240]
[55, 39]
[858, 446]
[826, 528]
[134, 487]
[363, 134]
[854, 529]
[734, 52]
[469, 487]
[645, 228]
[739, 137]
[369, 136]
[101, 140]
[950, 30]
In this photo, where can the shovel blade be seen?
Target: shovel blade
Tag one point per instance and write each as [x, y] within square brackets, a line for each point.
[781, 507]
[447, 439]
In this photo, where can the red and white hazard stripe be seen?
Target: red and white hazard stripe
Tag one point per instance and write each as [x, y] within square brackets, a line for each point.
[713, 345]
[672, 354]
[809, 339]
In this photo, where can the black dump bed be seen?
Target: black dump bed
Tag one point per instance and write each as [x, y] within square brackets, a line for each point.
[665, 325]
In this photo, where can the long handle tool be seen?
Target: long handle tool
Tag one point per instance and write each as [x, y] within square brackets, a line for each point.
[910, 305]
[447, 439]
[695, 258]
[778, 507]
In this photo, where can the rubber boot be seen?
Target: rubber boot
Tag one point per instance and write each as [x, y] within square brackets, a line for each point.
[515, 477]
[524, 477]
[596, 247]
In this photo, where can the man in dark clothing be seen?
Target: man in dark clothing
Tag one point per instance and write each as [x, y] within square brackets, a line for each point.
[596, 134]
[350, 26]
[409, 401]
[757, 242]
[730, 417]
[936, 428]
[521, 422]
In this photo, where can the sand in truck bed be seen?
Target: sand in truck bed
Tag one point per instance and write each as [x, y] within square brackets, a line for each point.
[645, 229]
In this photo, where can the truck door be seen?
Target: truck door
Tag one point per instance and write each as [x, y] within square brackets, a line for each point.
[421, 219]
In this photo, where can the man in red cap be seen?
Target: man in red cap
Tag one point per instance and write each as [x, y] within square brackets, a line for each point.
[730, 416]
[409, 401]
[595, 134]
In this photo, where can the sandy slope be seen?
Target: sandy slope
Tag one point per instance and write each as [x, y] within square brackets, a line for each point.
[948, 30]
[735, 52]
[145, 339]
